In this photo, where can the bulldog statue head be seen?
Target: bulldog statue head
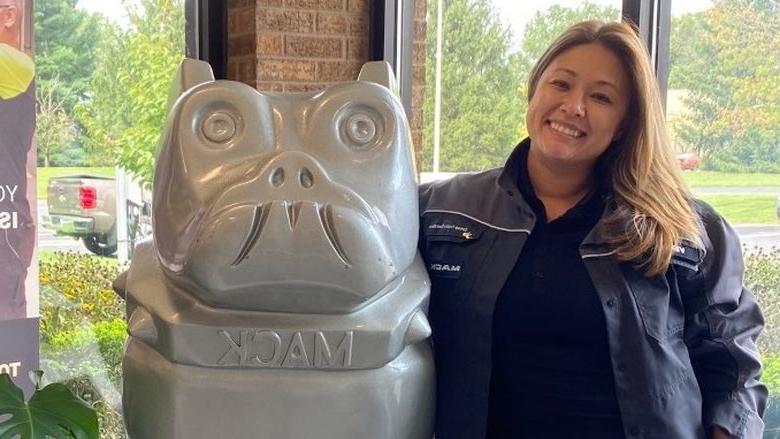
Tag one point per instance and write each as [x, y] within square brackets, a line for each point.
[261, 200]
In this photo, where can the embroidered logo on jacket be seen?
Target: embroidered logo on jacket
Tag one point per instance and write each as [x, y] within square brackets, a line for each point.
[445, 270]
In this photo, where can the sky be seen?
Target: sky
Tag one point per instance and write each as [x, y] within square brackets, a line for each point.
[112, 9]
[514, 12]
[518, 13]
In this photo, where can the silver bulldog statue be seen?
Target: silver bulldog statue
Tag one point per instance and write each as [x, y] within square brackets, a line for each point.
[281, 295]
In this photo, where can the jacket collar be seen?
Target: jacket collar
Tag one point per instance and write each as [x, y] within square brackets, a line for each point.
[509, 177]
[507, 180]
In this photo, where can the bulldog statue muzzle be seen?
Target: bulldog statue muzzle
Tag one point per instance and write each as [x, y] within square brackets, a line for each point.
[281, 295]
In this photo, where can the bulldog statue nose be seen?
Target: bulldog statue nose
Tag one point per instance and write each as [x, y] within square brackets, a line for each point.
[294, 170]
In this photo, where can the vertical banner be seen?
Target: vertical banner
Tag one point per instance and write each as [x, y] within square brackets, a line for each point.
[18, 271]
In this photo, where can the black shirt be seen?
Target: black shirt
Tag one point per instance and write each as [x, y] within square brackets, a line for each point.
[551, 375]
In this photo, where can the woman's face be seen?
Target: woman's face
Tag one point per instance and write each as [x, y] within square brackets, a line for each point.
[578, 106]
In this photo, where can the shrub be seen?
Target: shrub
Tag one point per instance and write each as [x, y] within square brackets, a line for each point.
[762, 278]
[83, 332]
[75, 287]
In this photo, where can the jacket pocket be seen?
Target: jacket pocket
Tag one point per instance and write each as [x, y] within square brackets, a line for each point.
[454, 250]
[659, 306]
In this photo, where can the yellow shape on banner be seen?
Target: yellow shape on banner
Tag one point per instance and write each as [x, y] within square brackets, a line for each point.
[16, 72]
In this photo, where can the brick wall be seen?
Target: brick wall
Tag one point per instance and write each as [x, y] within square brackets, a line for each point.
[242, 41]
[303, 45]
[418, 78]
[296, 45]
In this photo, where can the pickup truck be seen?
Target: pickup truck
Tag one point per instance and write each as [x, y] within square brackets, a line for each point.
[84, 207]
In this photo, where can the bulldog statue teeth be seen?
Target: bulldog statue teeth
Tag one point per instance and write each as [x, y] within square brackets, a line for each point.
[281, 296]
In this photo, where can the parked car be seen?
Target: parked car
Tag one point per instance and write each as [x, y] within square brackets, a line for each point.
[84, 207]
[688, 161]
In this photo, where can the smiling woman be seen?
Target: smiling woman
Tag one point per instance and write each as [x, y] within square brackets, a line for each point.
[580, 254]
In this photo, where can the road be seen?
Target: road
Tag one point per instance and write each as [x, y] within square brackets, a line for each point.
[47, 240]
[765, 237]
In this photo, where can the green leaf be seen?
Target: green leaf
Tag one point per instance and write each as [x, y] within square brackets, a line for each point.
[52, 412]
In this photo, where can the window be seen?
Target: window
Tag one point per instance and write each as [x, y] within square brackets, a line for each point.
[723, 112]
[477, 63]
[104, 69]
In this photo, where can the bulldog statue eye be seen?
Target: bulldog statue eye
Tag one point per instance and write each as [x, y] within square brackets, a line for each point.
[219, 127]
[361, 129]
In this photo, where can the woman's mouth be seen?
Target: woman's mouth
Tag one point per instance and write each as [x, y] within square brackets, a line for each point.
[566, 130]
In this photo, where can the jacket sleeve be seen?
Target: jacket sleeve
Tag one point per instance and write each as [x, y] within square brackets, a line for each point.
[723, 321]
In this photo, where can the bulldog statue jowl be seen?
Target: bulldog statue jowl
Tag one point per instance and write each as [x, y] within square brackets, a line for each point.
[281, 295]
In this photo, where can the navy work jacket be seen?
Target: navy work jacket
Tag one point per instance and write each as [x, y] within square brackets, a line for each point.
[682, 344]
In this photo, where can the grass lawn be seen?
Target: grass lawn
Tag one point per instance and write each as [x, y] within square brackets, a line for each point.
[745, 209]
[724, 179]
[45, 173]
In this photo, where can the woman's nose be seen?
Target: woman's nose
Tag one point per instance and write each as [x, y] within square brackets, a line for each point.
[574, 105]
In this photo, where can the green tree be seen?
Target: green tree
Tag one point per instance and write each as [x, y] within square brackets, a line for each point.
[65, 42]
[479, 109]
[126, 111]
[484, 80]
[727, 62]
[54, 128]
[550, 23]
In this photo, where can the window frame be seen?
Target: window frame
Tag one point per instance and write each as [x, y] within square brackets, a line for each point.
[205, 33]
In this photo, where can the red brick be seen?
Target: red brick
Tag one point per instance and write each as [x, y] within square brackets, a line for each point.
[418, 75]
[420, 29]
[313, 47]
[357, 49]
[418, 54]
[269, 44]
[417, 140]
[358, 26]
[247, 70]
[285, 21]
[329, 23]
[245, 21]
[234, 4]
[329, 5]
[420, 9]
[358, 6]
[270, 86]
[232, 70]
[418, 95]
[231, 22]
[304, 87]
[338, 71]
[286, 70]
[241, 45]
[416, 121]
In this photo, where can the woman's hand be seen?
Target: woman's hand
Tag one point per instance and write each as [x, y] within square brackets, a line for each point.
[719, 433]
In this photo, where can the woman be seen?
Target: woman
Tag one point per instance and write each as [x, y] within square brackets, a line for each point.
[579, 291]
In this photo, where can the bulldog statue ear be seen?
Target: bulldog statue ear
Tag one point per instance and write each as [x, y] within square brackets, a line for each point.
[191, 72]
[381, 73]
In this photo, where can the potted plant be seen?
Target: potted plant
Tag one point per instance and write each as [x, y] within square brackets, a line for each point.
[53, 412]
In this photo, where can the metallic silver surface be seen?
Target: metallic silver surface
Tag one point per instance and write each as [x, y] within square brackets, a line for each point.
[281, 296]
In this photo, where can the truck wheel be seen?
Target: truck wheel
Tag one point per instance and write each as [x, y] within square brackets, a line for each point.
[97, 244]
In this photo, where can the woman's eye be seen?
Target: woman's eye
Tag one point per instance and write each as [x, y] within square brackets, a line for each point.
[561, 85]
[602, 98]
